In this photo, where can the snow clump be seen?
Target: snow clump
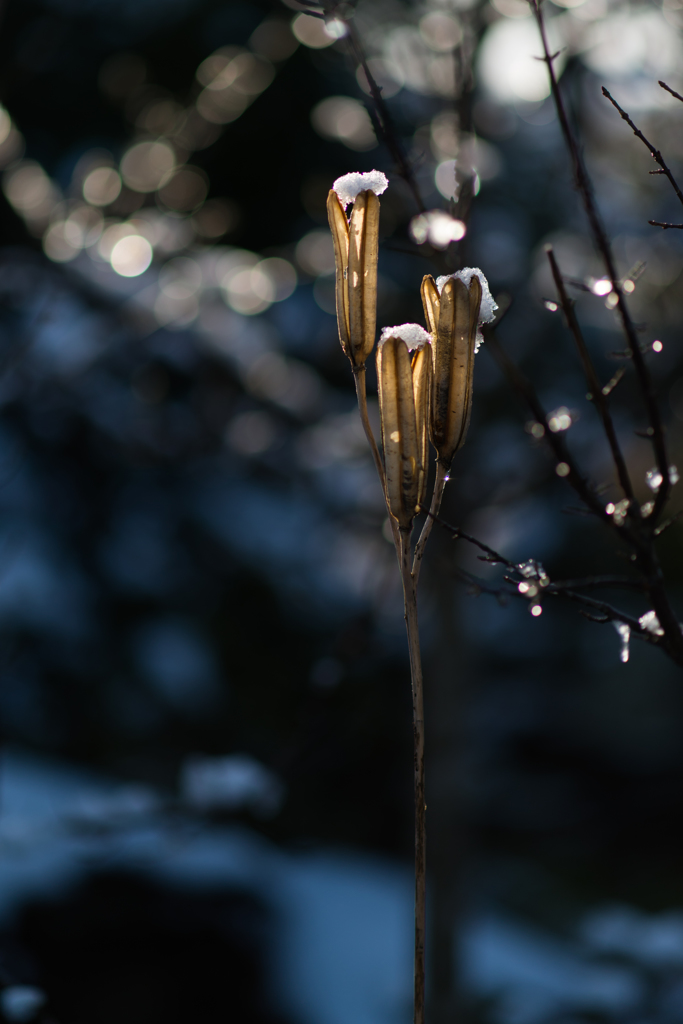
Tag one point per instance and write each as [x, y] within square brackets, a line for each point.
[350, 185]
[413, 335]
[487, 311]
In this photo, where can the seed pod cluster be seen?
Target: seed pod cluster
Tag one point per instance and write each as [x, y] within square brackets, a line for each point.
[424, 397]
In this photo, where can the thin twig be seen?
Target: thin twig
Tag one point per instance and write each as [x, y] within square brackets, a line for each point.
[654, 153]
[562, 588]
[596, 390]
[646, 557]
[384, 121]
[672, 91]
[585, 189]
[663, 224]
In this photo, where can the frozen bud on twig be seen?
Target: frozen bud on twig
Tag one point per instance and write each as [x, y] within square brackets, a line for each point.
[355, 257]
[453, 314]
[404, 391]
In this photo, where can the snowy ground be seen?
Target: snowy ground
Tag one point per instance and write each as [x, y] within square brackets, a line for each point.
[344, 926]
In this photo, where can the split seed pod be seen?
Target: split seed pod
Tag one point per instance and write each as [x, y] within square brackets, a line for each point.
[356, 244]
[453, 318]
[404, 392]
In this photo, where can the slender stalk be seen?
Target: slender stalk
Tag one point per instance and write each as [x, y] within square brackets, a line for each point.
[361, 394]
[437, 497]
[410, 610]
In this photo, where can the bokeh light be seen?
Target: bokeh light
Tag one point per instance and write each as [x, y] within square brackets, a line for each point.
[440, 31]
[312, 32]
[345, 120]
[30, 191]
[281, 275]
[131, 256]
[232, 78]
[102, 186]
[274, 39]
[315, 253]
[507, 64]
[62, 241]
[147, 166]
[438, 228]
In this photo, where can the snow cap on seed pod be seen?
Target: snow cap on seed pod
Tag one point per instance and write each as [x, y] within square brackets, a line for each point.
[356, 243]
[404, 386]
[455, 306]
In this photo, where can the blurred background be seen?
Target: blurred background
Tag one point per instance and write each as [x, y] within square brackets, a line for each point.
[205, 776]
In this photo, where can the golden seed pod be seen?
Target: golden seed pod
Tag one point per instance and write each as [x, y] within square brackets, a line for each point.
[423, 372]
[404, 404]
[453, 319]
[356, 244]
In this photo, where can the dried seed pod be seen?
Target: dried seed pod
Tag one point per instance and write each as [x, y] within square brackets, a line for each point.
[403, 404]
[431, 301]
[339, 226]
[422, 370]
[355, 252]
[455, 315]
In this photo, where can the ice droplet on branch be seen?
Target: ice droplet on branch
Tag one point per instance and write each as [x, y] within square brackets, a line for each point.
[624, 632]
[653, 478]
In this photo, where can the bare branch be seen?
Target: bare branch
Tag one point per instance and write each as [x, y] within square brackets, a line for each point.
[601, 240]
[654, 153]
[672, 91]
[598, 393]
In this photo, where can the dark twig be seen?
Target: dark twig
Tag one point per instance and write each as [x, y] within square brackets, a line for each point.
[599, 395]
[663, 224]
[672, 91]
[636, 533]
[585, 189]
[383, 121]
[563, 588]
[641, 535]
[654, 153]
[492, 556]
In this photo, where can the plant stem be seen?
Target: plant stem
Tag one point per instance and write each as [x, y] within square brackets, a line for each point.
[410, 607]
[361, 394]
[359, 380]
[437, 496]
